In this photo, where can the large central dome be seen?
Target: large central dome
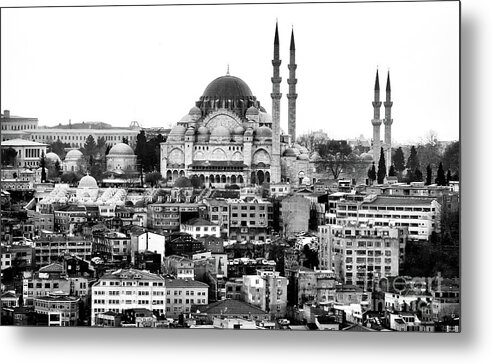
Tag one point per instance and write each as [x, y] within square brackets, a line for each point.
[227, 87]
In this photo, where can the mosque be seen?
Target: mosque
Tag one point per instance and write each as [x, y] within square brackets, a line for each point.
[229, 138]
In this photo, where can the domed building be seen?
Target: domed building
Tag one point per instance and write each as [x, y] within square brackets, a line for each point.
[227, 137]
[73, 161]
[87, 189]
[121, 158]
[224, 139]
[53, 158]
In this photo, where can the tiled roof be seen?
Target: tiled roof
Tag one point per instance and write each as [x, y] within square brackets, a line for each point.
[230, 307]
[51, 268]
[184, 283]
[199, 222]
[130, 274]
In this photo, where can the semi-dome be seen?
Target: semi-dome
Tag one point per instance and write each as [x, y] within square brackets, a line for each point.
[87, 182]
[121, 149]
[252, 111]
[73, 154]
[290, 152]
[227, 87]
[220, 132]
[238, 130]
[53, 157]
[303, 157]
[177, 132]
[195, 111]
[263, 132]
[202, 130]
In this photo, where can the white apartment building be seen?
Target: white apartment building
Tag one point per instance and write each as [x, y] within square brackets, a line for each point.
[420, 215]
[181, 294]
[359, 254]
[199, 228]
[128, 289]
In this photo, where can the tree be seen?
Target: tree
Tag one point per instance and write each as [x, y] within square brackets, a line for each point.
[441, 178]
[428, 178]
[381, 167]
[451, 157]
[108, 148]
[196, 182]
[448, 177]
[399, 160]
[140, 152]
[413, 160]
[42, 164]
[70, 177]
[101, 146]
[8, 156]
[125, 140]
[90, 146]
[336, 155]
[371, 173]
[153, 178]
[58, 148]
[418, 176]
[392, 172]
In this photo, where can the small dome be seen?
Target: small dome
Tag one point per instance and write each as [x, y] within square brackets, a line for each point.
[177, 130]
[249, 131]
[203, 130]
[53, 157]
[263, 132]
[315, 156]
[74, 154]
[238, 130]
[195, 111]
[252, 111]
[186, 118]
[290, 152]
[87, 182]
[303, 150]
[220, 132]
[121, 149]
[183, 182]
[366, 157]
[190, 131]
[303, 157]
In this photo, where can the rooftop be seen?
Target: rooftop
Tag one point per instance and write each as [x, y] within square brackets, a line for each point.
[229, 307]
[184, 283]
[199, 222]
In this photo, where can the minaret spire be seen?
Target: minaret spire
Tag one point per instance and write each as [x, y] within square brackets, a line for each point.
[292, 96]
[276, 96]
[387, 122]
[376, 121]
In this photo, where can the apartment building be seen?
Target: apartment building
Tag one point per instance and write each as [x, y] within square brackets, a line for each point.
[420, 215]
[250, 219]
[128, 289]
[168, 217]
[199, 228]
[48, 249]
[359, 254]
[181, 294]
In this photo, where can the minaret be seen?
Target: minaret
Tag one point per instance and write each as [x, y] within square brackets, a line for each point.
[376, 122]
[276, 96]
[387, 123]
[292, 96]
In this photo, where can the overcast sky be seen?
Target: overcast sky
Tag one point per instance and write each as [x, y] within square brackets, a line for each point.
[150, 64]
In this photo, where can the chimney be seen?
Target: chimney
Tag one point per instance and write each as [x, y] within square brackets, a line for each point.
[6, 113]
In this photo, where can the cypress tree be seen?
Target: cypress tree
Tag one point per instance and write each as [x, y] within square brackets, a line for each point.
[371, 173]
[441, 178]
[418, 176]
[448, 177]
[428, 179]
[43, 168]
[392, 172]
[381, 168]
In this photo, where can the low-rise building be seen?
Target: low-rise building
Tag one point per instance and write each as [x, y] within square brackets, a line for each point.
[181, 294]
[199, 228]
[250, 219]
[179, 266]
[57, 310]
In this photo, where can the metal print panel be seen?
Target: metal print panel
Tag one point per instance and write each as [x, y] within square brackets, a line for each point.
[234, 166]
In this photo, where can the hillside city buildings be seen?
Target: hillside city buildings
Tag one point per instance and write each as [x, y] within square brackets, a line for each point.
[245, 230]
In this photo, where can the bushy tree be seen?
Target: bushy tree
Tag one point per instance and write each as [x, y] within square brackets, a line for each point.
[8, 156]
[451, 157]
[58, 148]
[153, 178]
[90, 146]
[392, 172]
[381, 167]
[70, 177]
[418, 176]
[448, 177]
[336, 155]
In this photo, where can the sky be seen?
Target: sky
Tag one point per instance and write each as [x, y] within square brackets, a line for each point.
[150, 64]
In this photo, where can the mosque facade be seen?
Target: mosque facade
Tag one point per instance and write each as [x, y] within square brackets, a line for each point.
[229, 138]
